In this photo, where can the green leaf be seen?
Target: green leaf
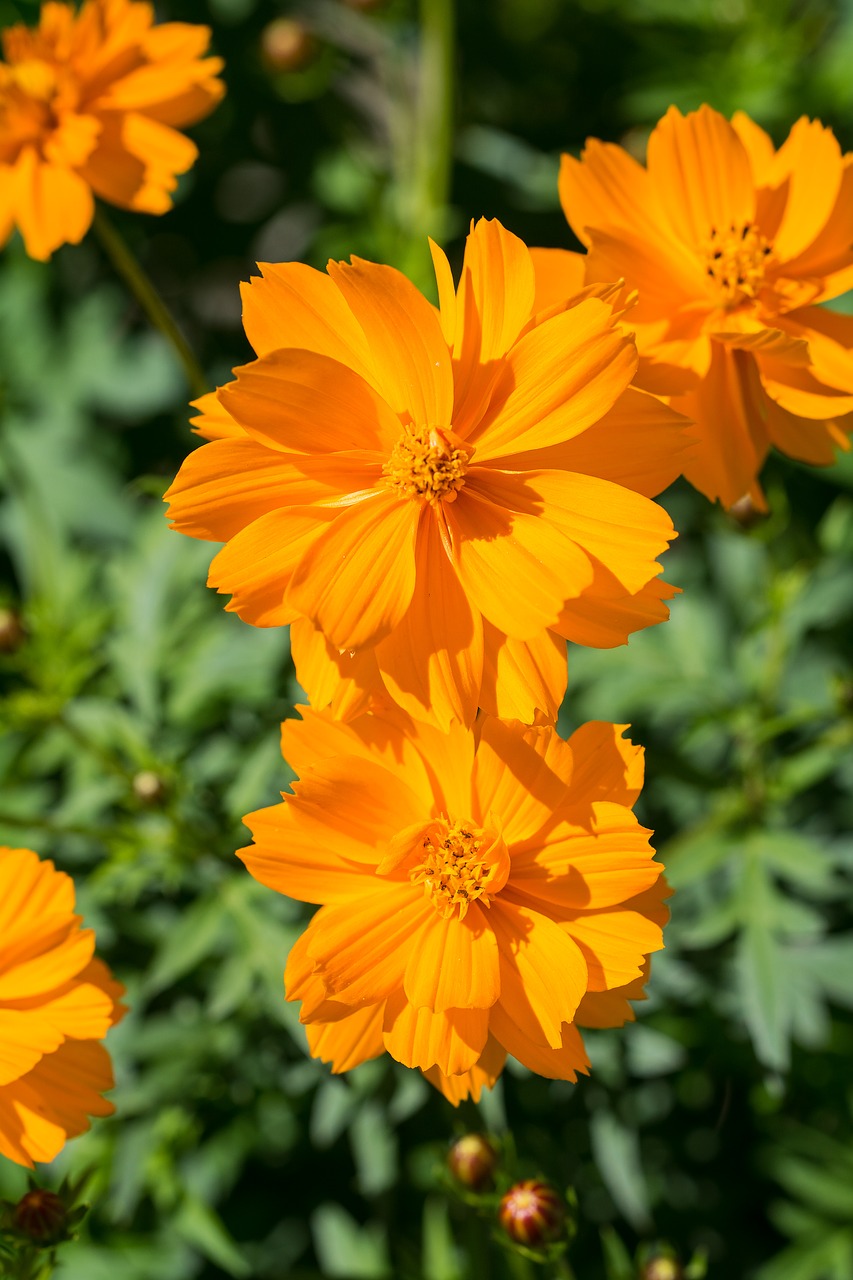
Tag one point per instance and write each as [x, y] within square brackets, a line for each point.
[616, 1151]
[201, 1227]
[347, 1250]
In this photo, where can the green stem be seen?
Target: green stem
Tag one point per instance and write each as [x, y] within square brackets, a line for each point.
[521, 1268]
[149, 299]
[564, 1269]
[432, 161]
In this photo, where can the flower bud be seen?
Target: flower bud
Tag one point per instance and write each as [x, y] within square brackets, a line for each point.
[12, 633]
[41, 1217]
[662, 1267]
[149, 787]
[287, 45]
[746, 513]
[472, 1161]
[532, 1213]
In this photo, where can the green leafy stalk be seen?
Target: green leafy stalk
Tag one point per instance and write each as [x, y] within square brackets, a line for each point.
[149, 299]
[423, 175]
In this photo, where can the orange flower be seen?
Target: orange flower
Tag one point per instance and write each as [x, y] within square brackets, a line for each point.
[728, 245]
[88, 105]
[477, 886]
[56, 1003]
[446, 495]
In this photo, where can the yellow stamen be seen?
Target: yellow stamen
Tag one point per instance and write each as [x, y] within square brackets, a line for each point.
[461, 864]
[736, 260]
[425, 465]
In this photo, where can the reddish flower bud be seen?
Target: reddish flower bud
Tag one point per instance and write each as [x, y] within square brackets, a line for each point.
[41, 1216]
[287, 45]
[472, 1161]
[12, 633]
[532, 1213]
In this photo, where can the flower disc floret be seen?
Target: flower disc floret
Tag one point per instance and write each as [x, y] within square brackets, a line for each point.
[736, 260]
[460, 863]
[426, 467]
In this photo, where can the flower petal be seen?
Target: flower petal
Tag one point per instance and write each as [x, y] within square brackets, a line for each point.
[470, 1084]
[605, 614]
[432, 663]
[345, 681]
[356, 581]
[349, 1041]
[361, 948]
[345, 808]
[520, 777]
[54, 1102]
[616, 940]
[453, 964]
[54, 206]
[559, 275]
[607, 187]
[523, 679]
[307, 402]
[408, 357]
[452, 1040]
[699, 161]
[213, 421]
[292, 305]
[256, 566]
[560, 1062]
[732, 440]
[623, 530]
[640, 443]
[576, 867]
[516, 566]
[607, 766]
[558, 379]
[812, 159]
[227, 484]
[542, 979]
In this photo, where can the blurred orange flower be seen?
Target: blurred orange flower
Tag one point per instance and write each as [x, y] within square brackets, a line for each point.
[56, 1003]
[447, 495]
[729, 245]
[89, 102]
[478, 889]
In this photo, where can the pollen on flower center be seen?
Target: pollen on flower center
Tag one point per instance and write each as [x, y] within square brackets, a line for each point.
[461, 864]
[426, 465]
[736, 260]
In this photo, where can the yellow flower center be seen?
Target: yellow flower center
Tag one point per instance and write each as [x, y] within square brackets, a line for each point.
[460, 864]
[736, 260]
[428, 465]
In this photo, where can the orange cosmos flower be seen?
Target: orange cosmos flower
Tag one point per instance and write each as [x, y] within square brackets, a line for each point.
[446, 495]
[729, 245]
[88, 105]
[56, 1004]
[478, 888]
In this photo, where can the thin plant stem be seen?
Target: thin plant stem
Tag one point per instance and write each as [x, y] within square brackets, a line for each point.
[520, 1268]
[424, 204]
[563, 1269]
[149, 299]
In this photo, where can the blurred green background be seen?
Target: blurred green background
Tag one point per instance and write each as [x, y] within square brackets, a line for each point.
[140, 721]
